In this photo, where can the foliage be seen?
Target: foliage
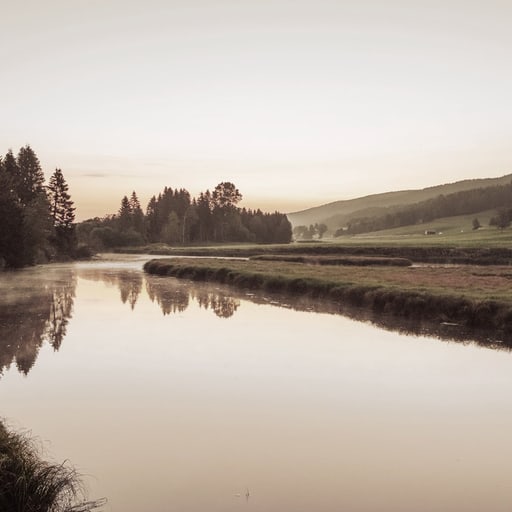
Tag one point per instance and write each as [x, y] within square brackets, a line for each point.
[502, 218]
[309, 233]
[459, 203]
[37, 224]
[174, 218]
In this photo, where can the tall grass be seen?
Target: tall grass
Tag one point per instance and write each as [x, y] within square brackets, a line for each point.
[30, 484]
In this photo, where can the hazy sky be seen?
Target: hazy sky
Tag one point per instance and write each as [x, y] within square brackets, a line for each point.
[297, 102]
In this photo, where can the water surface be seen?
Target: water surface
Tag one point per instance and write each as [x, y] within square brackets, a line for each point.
[175, 396]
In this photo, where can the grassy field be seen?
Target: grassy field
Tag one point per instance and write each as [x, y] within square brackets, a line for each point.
[474, 296]
[452, 231]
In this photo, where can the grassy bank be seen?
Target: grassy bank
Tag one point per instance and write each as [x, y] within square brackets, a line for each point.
[30, 484]
[360, 261]
[444, 254]
[472, 296]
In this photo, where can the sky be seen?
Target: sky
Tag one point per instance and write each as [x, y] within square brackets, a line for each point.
[298, 103]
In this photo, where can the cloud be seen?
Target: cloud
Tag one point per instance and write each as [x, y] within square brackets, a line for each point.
[95, 175]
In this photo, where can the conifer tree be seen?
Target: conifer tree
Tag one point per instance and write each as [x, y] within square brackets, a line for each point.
[124, 214]
[11, 241]
[62, 212]
[61, 205]
[31, 177]
[137, 215]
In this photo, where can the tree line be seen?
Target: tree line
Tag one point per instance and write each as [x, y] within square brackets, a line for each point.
[37, 219]
[309, 232]
[458, 203]
[175, 218]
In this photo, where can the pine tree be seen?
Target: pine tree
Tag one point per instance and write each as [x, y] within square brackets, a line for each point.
[124, 214]
[62, 212]
[31, 177]
[11, 241]
[137, 215]
[152, 222]
[61, 205]
[12, 178]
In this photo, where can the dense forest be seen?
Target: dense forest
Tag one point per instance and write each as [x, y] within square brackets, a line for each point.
[173, 217]
[37, 219]
[460, 203]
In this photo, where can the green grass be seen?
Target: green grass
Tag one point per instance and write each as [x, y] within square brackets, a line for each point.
[30, 484]
[450, 231]
[474, 296]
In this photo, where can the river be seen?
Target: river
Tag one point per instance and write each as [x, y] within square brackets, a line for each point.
[176, 396]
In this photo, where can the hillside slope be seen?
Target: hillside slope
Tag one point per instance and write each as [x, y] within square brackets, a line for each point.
[338, 213]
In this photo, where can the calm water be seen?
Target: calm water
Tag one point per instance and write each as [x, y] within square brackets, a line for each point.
[174, 396]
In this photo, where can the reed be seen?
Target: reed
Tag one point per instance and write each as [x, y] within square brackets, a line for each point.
[30, 484]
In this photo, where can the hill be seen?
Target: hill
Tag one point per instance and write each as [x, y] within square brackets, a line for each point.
[339, 213]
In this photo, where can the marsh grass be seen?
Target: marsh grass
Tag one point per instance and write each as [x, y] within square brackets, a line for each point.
[417, 250]
[466, 295]
[360, 261]
[30, 484]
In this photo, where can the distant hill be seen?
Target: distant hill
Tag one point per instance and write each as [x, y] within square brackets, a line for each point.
[339, 213]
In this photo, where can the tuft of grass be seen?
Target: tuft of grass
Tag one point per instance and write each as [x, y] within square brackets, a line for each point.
[30, 484]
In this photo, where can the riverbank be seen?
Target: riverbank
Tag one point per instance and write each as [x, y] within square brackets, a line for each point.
[445, 254]
[468, 295]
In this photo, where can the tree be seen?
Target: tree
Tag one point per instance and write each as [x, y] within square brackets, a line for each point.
[171, 231]
[152, 220]
[37, 228]
[502, 219]
[190, 220]
[12, 179]
[31, 177]
[62, 212]
[476, 224]
[125, 214]
[204, 212]
[137, 215]
[226, 195]
[321, 229]
[11, 235]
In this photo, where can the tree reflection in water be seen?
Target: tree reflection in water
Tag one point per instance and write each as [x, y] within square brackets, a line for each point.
[173, 296]
[35, 306]
[129, 282]
[224, 306]
[170, 295]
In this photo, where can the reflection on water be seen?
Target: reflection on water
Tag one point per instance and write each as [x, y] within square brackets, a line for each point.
[35, 307]
[187, 396]
[129, 282]
[175, 296]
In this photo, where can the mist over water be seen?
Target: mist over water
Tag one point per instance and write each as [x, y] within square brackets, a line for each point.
[173, 395]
